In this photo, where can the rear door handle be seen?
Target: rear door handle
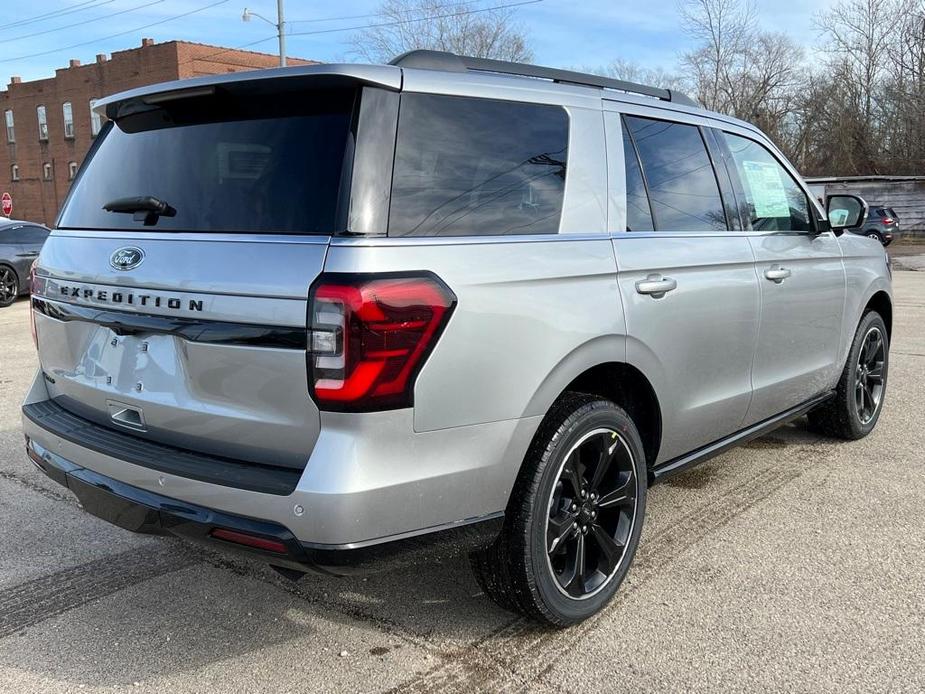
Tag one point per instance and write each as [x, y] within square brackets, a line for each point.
[777, 274]
[656, 286]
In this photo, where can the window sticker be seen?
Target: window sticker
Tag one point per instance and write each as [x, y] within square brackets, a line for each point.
[767, 188]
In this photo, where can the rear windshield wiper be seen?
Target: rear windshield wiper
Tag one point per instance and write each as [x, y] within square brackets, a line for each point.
[145, 208]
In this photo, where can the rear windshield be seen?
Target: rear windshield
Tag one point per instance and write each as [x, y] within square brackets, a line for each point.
[266, 164]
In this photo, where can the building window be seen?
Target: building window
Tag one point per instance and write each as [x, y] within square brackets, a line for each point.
[14, 172]
[43, 123]
[10, 132]
[71, 170]
[68, 119]
[46, 171]
[96, 121]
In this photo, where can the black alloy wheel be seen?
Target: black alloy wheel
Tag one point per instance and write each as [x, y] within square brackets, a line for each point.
[591, 513]
[869, 377]
[575, 515]
[9, 286]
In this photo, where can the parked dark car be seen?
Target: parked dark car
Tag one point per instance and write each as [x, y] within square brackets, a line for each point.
[882, 224]
[20, 243]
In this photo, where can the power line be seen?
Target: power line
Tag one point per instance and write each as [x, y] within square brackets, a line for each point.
[366, 26]
[54, 14]
[86, 21]
[369, 16]
[399, 22]
[228, 50]
[121, 33]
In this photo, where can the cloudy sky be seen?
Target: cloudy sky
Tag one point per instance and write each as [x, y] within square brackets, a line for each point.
[37, 36]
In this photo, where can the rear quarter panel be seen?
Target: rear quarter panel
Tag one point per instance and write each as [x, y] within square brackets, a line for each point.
[531, 315]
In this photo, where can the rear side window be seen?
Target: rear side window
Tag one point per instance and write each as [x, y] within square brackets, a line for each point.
[477, 167]
[32, 234]
[638, 212]
[224, 163]
[682, 185]
[774, 201]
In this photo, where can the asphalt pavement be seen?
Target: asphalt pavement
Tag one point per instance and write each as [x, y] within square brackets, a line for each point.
[794, 563]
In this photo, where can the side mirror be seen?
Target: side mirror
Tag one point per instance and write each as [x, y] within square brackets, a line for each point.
[845, 211]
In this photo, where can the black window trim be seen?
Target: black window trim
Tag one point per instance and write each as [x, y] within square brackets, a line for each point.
[642, 172]
[721, 158]
[703, 140]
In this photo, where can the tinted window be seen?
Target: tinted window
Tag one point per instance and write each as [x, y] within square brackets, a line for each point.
[773, 200]
[682, 185]
[36, 235]
[638, 214]
[268, 164]
[472, 167]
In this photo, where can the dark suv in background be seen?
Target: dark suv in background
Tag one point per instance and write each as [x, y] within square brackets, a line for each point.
[882, 224]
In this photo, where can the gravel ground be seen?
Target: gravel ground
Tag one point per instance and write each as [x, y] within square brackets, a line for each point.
[793, 563]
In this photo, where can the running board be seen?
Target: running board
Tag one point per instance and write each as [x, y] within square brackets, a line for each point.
[673, 467]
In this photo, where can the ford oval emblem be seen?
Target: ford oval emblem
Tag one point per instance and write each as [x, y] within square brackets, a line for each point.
[127, 258]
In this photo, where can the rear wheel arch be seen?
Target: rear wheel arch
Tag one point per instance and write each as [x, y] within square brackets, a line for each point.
[628, 387]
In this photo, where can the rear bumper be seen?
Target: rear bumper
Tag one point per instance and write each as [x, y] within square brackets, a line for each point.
[146, 512]
[371, 479]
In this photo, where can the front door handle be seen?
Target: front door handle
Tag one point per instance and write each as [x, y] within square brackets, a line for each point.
[777, 274]
[656, 286]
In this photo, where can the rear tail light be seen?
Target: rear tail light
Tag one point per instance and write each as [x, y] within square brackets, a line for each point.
[370, 335]
[888, 220]
[35, 338]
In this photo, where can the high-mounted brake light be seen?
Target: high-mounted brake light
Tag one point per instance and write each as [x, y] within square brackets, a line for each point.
[370, 335]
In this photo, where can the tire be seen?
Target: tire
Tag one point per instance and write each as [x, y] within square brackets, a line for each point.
[873, 234]
[9, 286]
[852, 414]
[547, 509]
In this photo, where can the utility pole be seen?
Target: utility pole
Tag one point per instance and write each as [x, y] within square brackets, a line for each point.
[281, 32]
[279, 24]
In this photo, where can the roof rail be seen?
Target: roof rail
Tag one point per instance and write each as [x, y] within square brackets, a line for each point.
[441, 60]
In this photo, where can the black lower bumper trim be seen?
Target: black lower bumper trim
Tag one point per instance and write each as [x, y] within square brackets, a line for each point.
[266, 479]
[141, 511]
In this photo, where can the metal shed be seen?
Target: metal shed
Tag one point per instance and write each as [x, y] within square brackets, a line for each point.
[905, 194]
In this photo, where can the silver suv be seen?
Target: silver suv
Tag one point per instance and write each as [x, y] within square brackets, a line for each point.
[328, 315]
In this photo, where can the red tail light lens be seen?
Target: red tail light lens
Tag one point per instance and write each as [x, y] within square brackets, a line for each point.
[370, 335]
[888, 220]
[35, 337]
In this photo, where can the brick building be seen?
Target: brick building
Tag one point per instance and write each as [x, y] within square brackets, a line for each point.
[48, 124]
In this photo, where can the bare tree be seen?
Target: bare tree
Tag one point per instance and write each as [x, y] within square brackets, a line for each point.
[875, 67]
[622, 69]
[858, 33]
[723, 29]
[738, 69]
[404, 25]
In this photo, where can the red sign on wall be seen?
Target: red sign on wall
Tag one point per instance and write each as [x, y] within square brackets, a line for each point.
[6, 204]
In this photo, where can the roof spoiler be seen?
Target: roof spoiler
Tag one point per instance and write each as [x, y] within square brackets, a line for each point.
[441, 60]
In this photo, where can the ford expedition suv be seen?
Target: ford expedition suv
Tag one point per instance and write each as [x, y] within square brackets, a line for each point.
[327, 315]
